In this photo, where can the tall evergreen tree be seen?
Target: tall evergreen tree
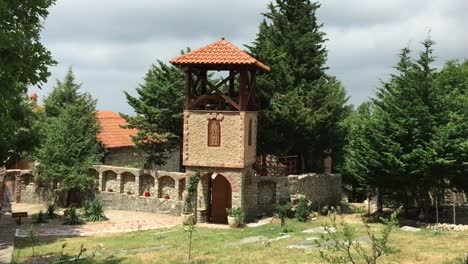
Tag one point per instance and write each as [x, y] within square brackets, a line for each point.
[158, 112]
[303, 106]
[23, 61]
[414, 141]
[69, 147]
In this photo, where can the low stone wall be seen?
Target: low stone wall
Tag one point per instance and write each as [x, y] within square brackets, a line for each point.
[38, 195]
[321, 189]
[127, 202]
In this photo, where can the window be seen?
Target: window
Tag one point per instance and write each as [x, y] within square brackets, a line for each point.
[250, 132]
[214, 133]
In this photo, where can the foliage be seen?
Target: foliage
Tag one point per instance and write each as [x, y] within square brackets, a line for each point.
[237, 213]
[303, 106]
[413, 137]
[70, 146]
[64, 258]
[39, 218]
[24, 62]
[72, 217]
[342, 246]
[302, 210]
[283, 211]
[189, 229]
[93, 211]
[158, 112]
[191, 188]
[51, 208]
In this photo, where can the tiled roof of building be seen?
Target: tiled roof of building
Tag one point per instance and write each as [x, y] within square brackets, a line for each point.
[221, 52]
[112, 135]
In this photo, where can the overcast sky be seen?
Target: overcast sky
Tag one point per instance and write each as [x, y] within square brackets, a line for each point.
[111, 43]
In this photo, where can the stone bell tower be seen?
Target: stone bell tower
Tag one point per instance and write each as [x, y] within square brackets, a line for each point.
[220, 126]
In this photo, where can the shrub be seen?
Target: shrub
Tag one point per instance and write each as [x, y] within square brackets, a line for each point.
[302, 210]
[51, 208]
[283, 211]
[192, 187]
[94, 211]
[236, 213]
[39, 218]
[346, 249]
[72, 217]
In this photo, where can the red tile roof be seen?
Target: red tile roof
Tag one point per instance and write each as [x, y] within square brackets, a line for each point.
[221, 52]
[112, 135]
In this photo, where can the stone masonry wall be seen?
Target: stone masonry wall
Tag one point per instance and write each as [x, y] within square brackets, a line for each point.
[231, 152]
[321, 189]
[127, 202]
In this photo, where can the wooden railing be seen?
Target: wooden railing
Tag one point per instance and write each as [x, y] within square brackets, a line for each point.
[270, 165]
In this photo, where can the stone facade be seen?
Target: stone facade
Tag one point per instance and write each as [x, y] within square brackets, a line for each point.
[120, 201]
[257, 195]
[321, 189]
[18, 180]
[234, 150]
[131, 157]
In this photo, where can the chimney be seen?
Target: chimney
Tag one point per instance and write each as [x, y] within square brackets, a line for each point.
[33, 98]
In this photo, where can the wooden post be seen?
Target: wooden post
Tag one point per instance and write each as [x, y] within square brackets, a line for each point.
[188, 88]
[231, 83]
[244, 78]
[203, 81]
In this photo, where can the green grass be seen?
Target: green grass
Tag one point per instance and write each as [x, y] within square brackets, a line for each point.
[212, 246]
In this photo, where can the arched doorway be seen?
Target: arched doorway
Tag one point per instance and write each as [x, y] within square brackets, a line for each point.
[221, 198]
[9, 183]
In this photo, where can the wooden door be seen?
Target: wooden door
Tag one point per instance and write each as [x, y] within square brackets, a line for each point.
[220, 199]
[9, 189]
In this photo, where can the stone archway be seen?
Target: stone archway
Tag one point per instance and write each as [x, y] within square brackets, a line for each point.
[9, 188]
[109, 181]
[146, 184]
[221, 198]
[128, 183]
[166, 186]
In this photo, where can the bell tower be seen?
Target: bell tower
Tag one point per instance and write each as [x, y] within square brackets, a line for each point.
[220, 124]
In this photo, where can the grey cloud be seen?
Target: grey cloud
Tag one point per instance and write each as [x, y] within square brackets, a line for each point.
[111, 44]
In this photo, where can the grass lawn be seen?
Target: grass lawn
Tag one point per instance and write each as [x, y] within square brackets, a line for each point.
[215, 245]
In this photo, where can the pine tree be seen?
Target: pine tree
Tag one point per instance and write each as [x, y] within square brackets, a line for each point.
[303, 106]
[69, 147]
[158, 112]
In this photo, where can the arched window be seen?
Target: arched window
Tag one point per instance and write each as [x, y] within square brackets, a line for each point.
[214, 133]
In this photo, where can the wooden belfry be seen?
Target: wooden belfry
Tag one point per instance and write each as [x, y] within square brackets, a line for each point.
[220, 56]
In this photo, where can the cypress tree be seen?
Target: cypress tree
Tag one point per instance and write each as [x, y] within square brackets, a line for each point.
[303, 106]
[158, 112]
[69, 146]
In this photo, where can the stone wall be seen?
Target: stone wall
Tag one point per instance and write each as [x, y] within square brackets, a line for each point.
[118, 201]
[231, 152]
[321, 189]
[131, 157]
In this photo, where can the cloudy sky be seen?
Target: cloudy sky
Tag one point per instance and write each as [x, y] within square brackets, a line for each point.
[111, 43]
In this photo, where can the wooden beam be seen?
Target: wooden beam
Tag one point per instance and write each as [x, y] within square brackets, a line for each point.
[229, 100]
[231, 83]
[244, 78]
[215, 87]
[203, 81]
[188, 88]
[251, 88]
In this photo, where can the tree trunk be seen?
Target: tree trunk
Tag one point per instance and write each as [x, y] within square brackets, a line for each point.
[379, 200]
[406, 204]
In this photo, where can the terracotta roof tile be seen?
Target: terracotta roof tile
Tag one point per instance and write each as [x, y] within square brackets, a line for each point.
[221, 52]
[112, 135]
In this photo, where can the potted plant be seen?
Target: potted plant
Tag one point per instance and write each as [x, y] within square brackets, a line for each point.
[187, 215]
[235, 217]
[147, 194]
